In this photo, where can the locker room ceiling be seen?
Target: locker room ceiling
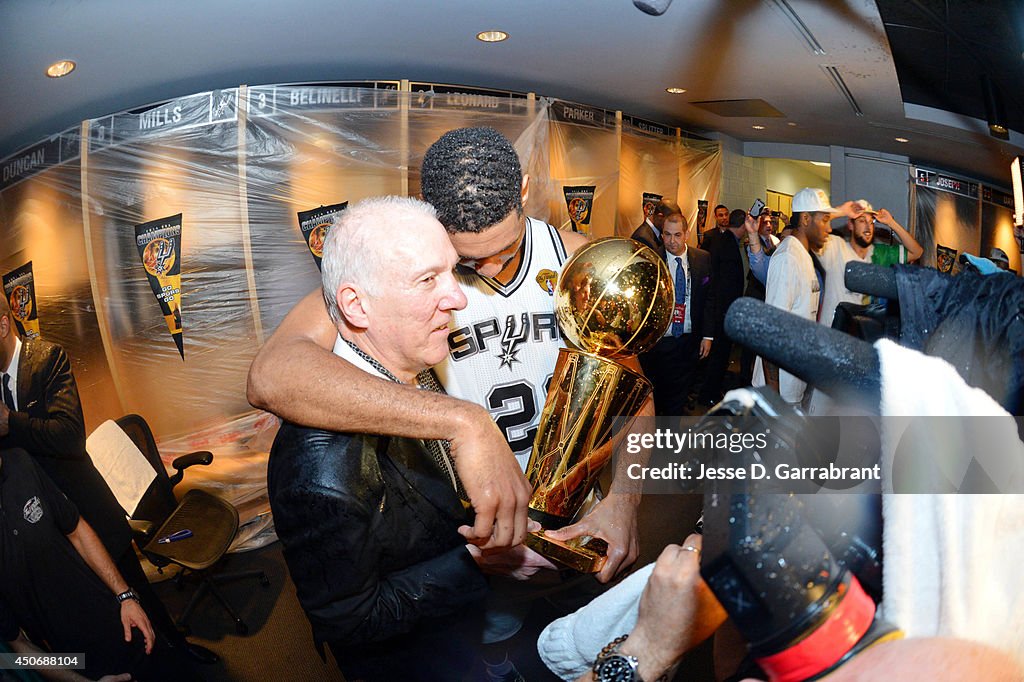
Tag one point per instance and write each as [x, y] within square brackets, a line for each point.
[912, 67]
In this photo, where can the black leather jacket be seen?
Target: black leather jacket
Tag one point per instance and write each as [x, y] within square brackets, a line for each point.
[368, 526]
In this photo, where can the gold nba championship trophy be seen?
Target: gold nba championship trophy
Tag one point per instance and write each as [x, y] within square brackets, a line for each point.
[613, 299]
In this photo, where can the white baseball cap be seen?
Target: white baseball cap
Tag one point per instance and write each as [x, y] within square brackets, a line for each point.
[812, 200]
[866, 207]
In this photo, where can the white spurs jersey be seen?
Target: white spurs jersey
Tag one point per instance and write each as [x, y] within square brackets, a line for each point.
[503, 346]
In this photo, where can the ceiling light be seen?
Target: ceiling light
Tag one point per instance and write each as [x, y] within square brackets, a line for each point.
[756, 127]
[675, 91]
[901, 139]
[60, 68]
[823, 164]
[792, 123]
[491, 36]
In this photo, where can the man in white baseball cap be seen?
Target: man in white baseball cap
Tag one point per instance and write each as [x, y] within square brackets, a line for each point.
[860, 245]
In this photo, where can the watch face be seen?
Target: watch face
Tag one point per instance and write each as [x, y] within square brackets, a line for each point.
[616, 668]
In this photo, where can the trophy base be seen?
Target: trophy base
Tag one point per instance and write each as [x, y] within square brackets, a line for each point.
[586, 554]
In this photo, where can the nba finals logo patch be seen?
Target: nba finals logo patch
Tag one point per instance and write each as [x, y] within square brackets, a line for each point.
[547, 280]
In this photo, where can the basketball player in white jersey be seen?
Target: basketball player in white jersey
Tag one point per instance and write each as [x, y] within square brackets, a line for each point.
[502, 347]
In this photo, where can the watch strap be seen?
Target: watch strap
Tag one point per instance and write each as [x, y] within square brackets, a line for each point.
[612, 647]
[126, 595]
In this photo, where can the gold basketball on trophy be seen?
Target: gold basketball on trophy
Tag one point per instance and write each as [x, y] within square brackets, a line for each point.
[614, 298]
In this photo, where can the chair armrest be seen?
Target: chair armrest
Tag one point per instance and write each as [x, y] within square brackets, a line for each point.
[142, 530]
[203, 457]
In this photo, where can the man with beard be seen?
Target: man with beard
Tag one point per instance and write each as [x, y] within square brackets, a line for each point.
[862, 247]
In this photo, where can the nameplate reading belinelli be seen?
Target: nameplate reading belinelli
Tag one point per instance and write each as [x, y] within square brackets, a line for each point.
[20, 290]
[315, 225]
[159, 244]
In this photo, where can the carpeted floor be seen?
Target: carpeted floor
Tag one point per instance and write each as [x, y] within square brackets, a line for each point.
[279, 646]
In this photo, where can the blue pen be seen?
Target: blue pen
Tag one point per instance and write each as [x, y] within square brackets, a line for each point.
[179, 535]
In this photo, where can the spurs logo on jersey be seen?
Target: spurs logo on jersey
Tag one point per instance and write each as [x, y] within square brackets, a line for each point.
[503, 345]
[510, 339]
[503, 340]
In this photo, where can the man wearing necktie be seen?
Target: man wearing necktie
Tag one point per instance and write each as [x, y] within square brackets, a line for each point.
[671, 364]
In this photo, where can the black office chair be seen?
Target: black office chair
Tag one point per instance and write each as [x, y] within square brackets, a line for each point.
[212, 521]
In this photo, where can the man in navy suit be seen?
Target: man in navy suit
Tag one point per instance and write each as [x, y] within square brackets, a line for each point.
[671, 364]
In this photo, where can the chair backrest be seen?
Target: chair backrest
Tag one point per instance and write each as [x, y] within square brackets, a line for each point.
[159, 501]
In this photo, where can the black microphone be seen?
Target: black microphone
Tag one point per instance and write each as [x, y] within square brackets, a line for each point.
[842, 366]
[653, 7]
[871, 279]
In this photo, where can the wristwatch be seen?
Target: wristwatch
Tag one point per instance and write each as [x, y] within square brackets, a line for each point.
[126, 595]
[611, 666]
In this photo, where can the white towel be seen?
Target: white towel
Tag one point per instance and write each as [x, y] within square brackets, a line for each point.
[122, 465]
[569, 645]
[952, 561]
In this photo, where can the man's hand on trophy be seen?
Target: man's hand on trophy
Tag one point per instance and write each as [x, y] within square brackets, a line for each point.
[613, 519]
[519, 562]
[494, 482]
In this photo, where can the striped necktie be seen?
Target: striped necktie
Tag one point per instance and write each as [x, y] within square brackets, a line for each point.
[677, 327]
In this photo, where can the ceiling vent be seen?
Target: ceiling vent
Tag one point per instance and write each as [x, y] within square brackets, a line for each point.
[800, 26]
[837, 78]
[737, 108]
